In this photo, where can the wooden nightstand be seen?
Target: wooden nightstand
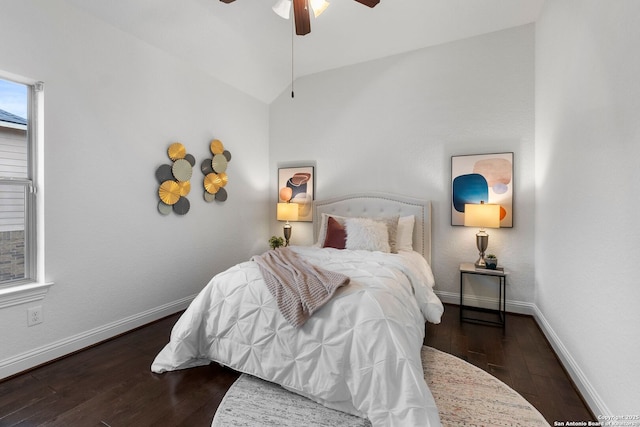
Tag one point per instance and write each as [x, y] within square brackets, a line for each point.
[501, 275]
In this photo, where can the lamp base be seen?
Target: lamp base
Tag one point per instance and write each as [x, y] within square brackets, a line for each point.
[482, 241]
[287, 233]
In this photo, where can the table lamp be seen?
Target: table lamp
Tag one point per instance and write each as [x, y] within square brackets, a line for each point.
[287, 212]
[483, 215]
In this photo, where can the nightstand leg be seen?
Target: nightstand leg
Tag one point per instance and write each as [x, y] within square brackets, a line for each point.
[461, 298]
[504, 301]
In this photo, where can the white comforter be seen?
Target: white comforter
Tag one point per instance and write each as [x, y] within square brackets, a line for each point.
[360, 353]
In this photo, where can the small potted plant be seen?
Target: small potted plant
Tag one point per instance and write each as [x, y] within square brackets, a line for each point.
[491, 261]
[276, 242]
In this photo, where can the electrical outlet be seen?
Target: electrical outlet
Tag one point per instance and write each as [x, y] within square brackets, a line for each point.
[34, 315]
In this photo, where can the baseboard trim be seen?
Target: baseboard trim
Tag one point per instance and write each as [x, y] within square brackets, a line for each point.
[589, 394]
[41, 355]
[512, 306]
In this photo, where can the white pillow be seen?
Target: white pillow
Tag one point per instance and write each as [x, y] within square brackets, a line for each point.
[367, 234]
[404, 239]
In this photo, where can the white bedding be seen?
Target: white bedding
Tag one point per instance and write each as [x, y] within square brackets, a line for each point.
[360, 353]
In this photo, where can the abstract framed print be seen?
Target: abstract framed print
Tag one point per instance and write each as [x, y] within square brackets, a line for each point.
[484, 178]
[296, 185]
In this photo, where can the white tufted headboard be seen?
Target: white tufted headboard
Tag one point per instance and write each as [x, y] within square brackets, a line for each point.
[378, 205]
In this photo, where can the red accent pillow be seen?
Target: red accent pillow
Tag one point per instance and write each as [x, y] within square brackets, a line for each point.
[336, 235]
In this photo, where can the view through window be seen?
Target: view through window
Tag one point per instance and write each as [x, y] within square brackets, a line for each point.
[15, 182]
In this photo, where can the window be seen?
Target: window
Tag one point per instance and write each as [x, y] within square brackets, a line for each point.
[20, 134]
[15, 183]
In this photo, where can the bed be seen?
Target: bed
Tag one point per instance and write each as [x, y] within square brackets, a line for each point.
[360, 352]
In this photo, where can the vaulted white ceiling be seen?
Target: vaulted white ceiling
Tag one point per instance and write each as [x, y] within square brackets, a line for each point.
[246, 45]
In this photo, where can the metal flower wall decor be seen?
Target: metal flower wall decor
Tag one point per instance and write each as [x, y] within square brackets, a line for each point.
[215, 172]
[175, 179]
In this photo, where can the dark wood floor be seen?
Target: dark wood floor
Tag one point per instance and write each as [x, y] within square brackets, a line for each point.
[111, 384]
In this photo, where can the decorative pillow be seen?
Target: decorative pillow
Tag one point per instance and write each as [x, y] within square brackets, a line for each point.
[392, 224]
[404, 239]
[336, 236]
[392, 228]
[322, 232]
[367, 234]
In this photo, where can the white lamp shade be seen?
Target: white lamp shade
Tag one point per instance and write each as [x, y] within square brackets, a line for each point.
[482, 215]
[287, 212]
[283, 8]
[318, 6]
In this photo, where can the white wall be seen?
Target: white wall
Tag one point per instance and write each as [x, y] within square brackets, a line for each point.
[587, 151]
[393, 124]
[113, 106]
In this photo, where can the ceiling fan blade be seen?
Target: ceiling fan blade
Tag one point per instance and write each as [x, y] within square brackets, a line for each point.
[301, 15]
[370, 3]
[227, 1]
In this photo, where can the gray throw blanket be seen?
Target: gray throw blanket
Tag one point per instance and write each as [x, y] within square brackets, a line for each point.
[299, 287]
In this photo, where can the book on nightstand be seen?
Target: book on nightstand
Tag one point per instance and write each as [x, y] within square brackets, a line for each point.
[489, 269]
[471, 267]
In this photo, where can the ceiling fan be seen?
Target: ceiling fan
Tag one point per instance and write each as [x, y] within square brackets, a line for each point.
[301, 12]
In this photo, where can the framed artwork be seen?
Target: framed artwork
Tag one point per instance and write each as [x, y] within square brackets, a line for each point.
[296, 185]
[484, 178]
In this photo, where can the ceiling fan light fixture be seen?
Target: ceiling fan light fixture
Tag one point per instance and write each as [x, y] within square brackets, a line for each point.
[318, 6]
[282, 8]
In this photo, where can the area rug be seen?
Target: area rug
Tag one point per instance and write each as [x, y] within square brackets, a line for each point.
[465, 396]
